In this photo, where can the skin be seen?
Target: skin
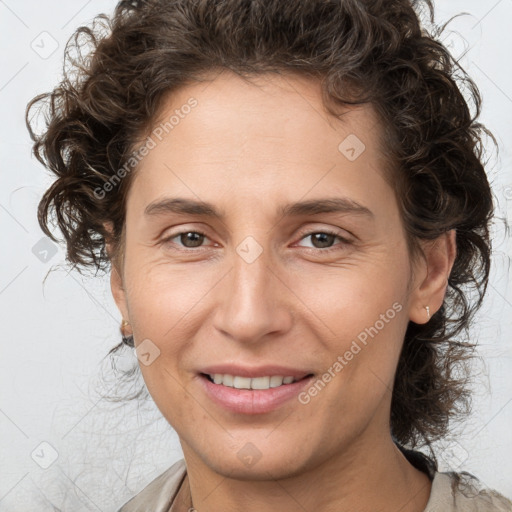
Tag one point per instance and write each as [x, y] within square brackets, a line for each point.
[248, 148]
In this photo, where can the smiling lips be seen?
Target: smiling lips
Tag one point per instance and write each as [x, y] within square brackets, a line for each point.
[252, 391]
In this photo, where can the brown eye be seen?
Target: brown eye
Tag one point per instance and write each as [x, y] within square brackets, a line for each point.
[323, 239]
[187, 239]
[191, 237]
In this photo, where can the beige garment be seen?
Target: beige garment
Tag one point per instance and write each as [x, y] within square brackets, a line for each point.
[170, 492]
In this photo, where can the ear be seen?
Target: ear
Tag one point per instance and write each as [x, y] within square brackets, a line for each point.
[431, 276]
[116, 279]
[119, 293]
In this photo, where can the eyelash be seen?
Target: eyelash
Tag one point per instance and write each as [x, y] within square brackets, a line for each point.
[305, 235]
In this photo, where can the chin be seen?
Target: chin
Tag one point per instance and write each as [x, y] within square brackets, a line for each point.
[273, 467]
[257, 458]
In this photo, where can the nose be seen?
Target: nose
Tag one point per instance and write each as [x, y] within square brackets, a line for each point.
[253, 303]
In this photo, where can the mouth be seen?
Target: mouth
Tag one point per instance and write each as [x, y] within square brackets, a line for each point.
[255, 393]
[261, 383]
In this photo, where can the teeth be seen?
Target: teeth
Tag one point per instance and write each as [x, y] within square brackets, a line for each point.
[235, 381]
[260, 383]
[241, 382]
[276, 381]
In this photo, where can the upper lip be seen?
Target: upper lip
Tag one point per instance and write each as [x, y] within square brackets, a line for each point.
[255, 371]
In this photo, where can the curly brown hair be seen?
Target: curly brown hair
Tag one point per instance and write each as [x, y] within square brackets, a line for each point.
[366, 51]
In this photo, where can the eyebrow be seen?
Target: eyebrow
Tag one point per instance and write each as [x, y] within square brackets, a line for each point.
[184, 206]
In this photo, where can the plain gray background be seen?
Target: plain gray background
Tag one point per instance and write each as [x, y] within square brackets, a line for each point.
[55, 335]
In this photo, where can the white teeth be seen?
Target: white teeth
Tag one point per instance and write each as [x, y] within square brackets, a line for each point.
[276, 381]
[241, 382]
[235, 381]
[227, 380]
[260, 383]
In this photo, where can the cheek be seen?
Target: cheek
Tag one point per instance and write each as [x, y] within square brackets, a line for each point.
[162, 296]
[349, 300]
[166, 306]
[364, 314]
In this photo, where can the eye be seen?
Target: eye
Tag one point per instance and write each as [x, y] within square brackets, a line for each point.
[187, 239]
[324, 239]
[195, 239]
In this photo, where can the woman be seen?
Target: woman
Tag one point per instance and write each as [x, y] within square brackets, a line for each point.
[291, 199]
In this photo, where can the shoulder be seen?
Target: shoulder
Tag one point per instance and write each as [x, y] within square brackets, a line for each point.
[463, 492]
[159, 494]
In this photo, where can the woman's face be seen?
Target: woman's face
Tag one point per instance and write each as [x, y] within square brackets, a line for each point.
[295, 265]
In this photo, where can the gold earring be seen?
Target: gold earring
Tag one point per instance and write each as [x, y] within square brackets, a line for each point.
[126, 337]
[428, 311]
[124, 324]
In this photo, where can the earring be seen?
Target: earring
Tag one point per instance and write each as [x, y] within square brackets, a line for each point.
[428, 311]
[127, 338]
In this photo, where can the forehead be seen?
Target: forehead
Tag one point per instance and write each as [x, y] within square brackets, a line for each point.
[269, 132]
[268, 107]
